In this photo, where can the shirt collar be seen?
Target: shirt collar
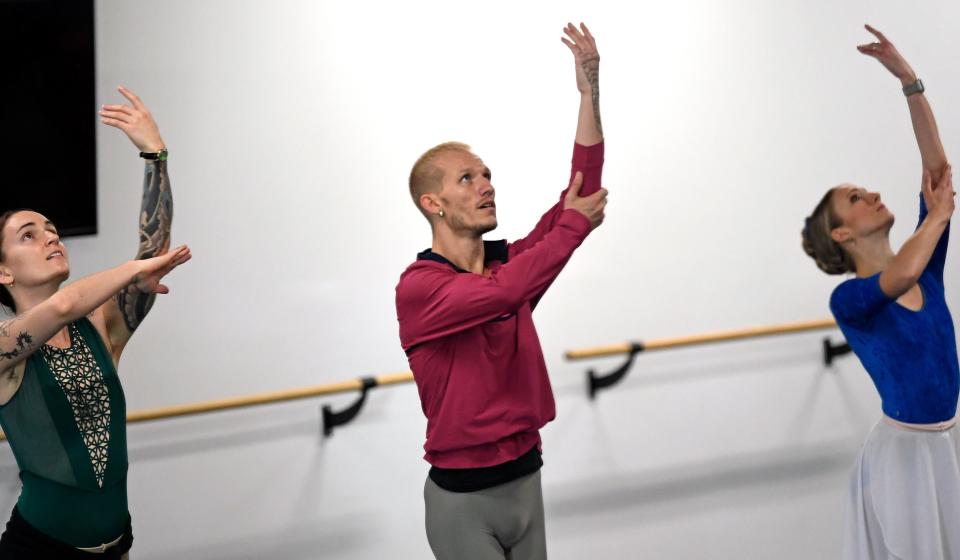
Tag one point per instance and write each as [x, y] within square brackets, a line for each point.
[492, 251]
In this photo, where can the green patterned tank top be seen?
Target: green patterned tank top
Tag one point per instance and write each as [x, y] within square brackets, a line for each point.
[66, 425]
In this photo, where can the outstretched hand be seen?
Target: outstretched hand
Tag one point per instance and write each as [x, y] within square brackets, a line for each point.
[152, 270]
[135, 121]
[590, 206]
[585, 56]
[888, 55]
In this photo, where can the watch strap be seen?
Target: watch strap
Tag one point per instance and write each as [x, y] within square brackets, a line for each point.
[155, 156]
[915, 87]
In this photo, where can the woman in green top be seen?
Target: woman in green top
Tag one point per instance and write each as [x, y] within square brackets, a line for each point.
[61, 403]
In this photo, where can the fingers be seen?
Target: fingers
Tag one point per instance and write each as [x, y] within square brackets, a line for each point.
[132, 97]
[161, 289]
[947, 175]
[871, 49]
[588, 35]
[925, 184]
[174, 258]
[180, 255]
[601, 194]
[598, 206]
[177, 261]
[946, 180]
[115, 115]
[184, 254]
[575, 36]
[126, 109]
[880, 36]
[114, 123]
[575, 185]
[577, 51]
[574, 33]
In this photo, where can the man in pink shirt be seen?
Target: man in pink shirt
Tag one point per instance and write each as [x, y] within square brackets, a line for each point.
[465, 312]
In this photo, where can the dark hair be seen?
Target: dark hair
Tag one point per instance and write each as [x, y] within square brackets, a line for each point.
[6, 299]
[817, 242]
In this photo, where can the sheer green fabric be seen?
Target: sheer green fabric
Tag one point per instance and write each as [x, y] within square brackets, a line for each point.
[67, 429]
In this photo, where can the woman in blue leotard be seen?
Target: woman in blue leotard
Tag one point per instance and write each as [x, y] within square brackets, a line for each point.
[905, 488]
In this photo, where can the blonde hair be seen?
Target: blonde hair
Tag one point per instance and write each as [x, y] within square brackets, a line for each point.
[425, 177]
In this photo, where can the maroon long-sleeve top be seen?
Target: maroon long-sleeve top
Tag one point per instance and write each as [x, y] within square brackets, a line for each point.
[471, 341]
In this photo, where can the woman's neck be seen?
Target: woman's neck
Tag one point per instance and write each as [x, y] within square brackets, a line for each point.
[27, 298]
[872, 254]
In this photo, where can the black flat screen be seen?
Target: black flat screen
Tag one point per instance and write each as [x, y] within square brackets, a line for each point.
[48, 110]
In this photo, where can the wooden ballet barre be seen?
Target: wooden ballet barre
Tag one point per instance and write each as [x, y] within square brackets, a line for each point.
[333, 419]
[597, 382]
[267, 398]
[705, 338]
[330, 419]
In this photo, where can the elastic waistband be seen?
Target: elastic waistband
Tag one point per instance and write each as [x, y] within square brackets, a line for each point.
[485, 454]
[100, 549]
[935, 427]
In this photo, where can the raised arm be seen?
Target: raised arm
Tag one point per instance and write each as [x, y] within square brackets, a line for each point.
[126, 311]
[935, 165]
[436, 303]
[587, 61]
[588, 147]
[25, 333]
[924, 125]
[913, 257]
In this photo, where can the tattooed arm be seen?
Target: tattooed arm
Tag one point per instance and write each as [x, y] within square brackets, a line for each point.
[587, 60]
[23, 334]
[124, 314]
[156, 214]
[588, 150]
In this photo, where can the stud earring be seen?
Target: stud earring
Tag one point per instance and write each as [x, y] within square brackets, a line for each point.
[441, 212]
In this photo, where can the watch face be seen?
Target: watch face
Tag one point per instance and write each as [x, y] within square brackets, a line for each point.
[162, 155]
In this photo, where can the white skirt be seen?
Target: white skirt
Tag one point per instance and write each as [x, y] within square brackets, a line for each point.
[904, 499]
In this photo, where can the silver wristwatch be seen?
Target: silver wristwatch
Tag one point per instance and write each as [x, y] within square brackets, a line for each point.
[915, 87]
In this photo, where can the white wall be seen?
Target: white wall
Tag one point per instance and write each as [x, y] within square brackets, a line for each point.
[292, 126]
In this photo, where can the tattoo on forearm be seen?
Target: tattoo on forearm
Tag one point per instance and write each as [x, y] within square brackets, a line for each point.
[591, 68]
[24, 345]
[156, 215]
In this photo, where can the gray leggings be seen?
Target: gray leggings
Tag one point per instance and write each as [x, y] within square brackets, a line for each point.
[503, 522]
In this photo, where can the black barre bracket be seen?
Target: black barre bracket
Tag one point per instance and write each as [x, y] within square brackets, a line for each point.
[596, 382]
[333, 419]
[831, 350]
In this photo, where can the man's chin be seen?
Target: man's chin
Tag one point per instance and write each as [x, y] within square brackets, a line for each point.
[487, 228]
